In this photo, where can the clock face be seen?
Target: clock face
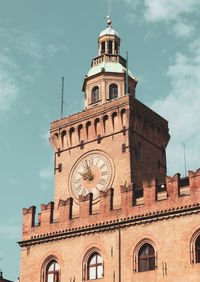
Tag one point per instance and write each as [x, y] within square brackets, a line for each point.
[91, 174]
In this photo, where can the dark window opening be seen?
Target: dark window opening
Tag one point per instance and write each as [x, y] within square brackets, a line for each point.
[116, 48]
[146, 258]
[95, 94]
[110, 47]
[95, 267]
[113, 91]
[197, 249]
[103, 47]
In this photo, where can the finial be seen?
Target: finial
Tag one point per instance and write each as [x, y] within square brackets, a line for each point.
[108, 21]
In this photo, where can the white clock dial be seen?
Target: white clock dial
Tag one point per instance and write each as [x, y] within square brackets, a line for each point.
[91, 174]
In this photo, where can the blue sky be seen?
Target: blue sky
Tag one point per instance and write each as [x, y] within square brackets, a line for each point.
[41, 41]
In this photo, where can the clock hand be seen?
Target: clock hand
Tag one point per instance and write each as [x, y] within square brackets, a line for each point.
[87, 174]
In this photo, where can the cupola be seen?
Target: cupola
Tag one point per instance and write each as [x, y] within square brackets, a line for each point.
[106, 79]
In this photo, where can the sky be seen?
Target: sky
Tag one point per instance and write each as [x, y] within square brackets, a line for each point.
[41, 41]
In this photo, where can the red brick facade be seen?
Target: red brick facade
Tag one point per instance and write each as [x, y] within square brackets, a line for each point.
[140, 226]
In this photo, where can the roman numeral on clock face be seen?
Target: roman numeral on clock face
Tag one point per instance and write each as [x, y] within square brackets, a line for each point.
[78, 181]
[91, 162]
[102, 181]
[104, 173]
[102, 166]
[78, 188]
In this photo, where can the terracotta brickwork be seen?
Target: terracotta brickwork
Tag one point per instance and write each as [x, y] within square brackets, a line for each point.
[168, 223]
[117, 128]
[116, 216]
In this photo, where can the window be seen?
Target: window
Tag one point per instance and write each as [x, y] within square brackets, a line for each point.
[52, 274]
[116, 48]
[146, 258]
[103, 47]
[197, 249]
[113, 91]
[110, 47]
[95, 94]
[95, 266]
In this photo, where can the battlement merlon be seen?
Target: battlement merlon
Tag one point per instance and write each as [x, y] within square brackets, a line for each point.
[176, 193]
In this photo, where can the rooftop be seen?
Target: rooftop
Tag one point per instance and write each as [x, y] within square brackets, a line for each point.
[108, 67]
[109, 31]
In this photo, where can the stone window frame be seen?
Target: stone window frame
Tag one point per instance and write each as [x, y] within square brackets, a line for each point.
[136, 252]
[110, 84]
[95, 265]
[85, 262]
[92, 101]
[43, 275]
[193, 239]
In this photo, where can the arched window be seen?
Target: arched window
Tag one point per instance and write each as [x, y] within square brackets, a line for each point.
[197, 249]
[95, 266]
[95, 94]
[146, 258]
[103, 47]
[113, 91]
[52, 272]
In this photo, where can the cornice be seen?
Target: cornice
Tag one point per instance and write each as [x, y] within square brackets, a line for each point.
[110, 225]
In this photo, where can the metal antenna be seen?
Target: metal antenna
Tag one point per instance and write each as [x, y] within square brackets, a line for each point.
[184, 159]
[108, 16]
[126, 72]
[62, 97]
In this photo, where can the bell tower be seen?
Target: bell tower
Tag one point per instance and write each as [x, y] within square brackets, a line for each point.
[106, 80]
[116, 140]
[106, 160]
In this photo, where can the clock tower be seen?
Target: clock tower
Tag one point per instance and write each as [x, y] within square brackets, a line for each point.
[115, 141]
[116, 216]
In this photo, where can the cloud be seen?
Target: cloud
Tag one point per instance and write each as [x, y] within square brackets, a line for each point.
[28, 44]
[174, 13]
[8, 87]
[181, 108]
[45, 137]
[165, 10]
[46, 173]
[52, 49]
[184, 30]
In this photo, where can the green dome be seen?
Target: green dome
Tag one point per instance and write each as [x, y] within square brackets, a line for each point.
[109, 31]
[108, 67]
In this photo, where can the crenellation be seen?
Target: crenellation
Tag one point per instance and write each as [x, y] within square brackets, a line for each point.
[28, 220]
[153, 200]
[65, 210]
[85, 205]
[173, 185]
[127, 198]
[106, 201]
[149, 192]
[47, 213]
